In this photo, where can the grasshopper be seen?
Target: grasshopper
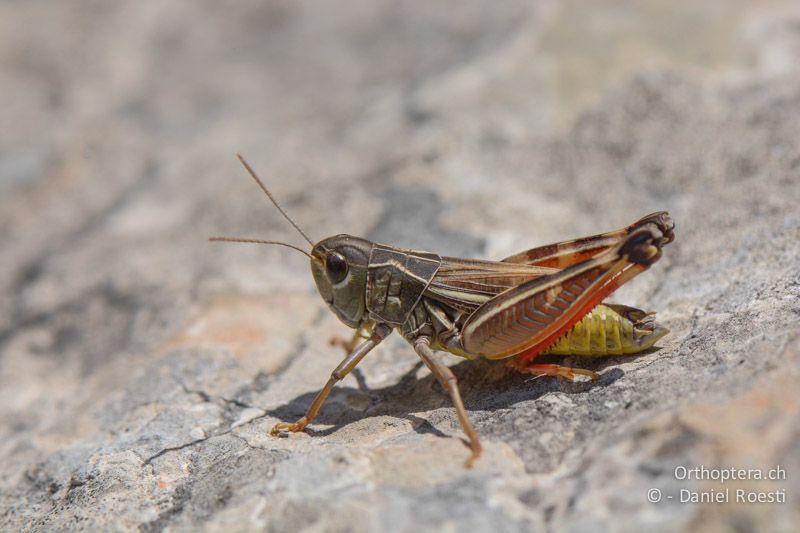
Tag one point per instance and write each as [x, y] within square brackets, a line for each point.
[543, 300]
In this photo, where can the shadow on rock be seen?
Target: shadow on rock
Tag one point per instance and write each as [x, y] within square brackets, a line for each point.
[485, 386]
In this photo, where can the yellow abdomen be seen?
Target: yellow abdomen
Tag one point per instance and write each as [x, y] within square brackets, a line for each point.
[609, 329]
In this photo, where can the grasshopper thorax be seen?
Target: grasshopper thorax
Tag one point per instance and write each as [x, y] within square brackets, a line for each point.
[339, 266]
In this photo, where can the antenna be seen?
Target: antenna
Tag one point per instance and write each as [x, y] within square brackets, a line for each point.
[275, 202]
[259, 241]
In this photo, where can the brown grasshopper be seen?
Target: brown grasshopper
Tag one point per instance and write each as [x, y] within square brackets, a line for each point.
[543, 300]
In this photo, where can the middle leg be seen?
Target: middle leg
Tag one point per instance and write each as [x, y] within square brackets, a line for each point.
[449, 382]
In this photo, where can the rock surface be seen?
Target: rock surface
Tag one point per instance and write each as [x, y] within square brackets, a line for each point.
[142, 367]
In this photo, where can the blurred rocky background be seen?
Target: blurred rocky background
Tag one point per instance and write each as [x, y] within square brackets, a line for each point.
[141, 367]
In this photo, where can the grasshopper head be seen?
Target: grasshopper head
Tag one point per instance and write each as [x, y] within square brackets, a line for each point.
[339, 265]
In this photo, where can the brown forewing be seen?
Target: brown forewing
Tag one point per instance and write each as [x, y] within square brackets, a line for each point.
[465, 284]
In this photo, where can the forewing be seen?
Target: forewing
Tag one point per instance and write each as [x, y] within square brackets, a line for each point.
[465, 284]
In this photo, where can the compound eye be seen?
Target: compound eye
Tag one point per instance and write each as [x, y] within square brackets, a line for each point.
[336, 265]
